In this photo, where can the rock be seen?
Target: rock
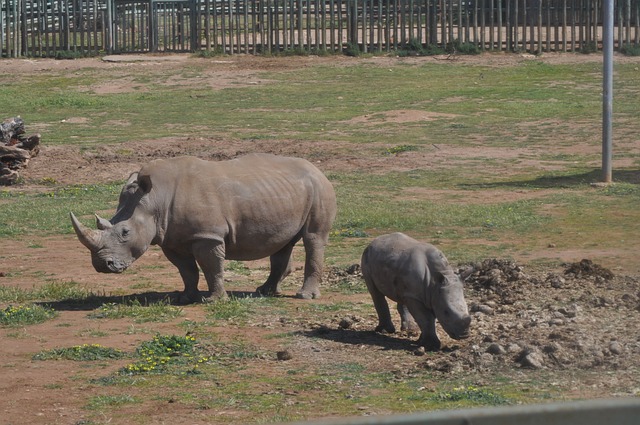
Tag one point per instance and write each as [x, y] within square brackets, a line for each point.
[556, 322]
[556, 335]
[486, 359]
[556, 281]
[513, 348]
[353, 269]
[615, 347]
[488, 338]
[554, 347]
[284, 355]
[533, 360]
[482, 308]
[346, 323]
[420, 351]
[496, 349]
[568, 312]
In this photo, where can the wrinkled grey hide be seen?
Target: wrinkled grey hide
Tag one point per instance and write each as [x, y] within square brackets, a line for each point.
[202, 212]
[419, 278]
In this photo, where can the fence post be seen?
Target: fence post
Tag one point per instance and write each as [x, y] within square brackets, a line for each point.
[607, 88]
[194, 23]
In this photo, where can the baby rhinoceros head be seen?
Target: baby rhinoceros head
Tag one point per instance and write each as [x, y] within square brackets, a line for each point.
[450, 307]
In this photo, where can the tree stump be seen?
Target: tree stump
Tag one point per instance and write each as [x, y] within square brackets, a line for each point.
[15, 149]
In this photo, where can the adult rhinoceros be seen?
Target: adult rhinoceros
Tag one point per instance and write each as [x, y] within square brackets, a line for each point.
[202, 212]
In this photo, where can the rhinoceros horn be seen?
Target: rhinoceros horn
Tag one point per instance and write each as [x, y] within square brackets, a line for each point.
[102, 223]
[88, 237]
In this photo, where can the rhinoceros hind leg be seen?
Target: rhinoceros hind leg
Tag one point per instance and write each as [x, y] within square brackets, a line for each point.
[385, 324]
[407, 322]
[314, 244]
[280, 268]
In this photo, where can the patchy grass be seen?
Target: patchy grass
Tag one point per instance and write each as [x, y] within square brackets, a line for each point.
[22, 315]
[48, 213]
[84, 352]
[240, 309]
[160, 311]
[105, 402]
[464, 396]
[163, 352]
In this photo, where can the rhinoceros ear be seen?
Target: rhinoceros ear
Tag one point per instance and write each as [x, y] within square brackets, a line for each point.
[144, 182]
[103, 224]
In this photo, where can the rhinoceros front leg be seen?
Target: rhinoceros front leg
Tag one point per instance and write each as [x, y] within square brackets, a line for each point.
[426, 320]
[314, 249]
[210, 257]
[280, 268]
[188, 269]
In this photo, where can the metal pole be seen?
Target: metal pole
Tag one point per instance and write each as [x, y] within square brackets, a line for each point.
[607, 88]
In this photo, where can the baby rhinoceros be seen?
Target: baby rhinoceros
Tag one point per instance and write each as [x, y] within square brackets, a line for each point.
[419, 278]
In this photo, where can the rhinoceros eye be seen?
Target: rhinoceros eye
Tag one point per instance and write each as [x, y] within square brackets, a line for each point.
[125, 233]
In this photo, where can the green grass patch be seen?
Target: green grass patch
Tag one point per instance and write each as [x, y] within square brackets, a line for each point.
[237, 267]
[47, 213]
[84, 352]
[160, 311]
[395, 150]
[21, 315]
[241, 308]
[102, 402]
[471, 395]
[162, 351]
[520, 92]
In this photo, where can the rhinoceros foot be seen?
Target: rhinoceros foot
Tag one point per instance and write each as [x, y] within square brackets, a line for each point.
[386, 329]
[211, 297]
[268, 291]
[185, 298]
[429, 342]
[308, 295]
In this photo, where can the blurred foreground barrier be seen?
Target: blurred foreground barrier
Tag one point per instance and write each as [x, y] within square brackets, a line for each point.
[591, 412]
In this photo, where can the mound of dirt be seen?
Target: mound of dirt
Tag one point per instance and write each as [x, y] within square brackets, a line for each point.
[576, 319]
[540, 319]
[587, 269]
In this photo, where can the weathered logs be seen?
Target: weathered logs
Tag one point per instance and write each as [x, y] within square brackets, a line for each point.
[15, 149]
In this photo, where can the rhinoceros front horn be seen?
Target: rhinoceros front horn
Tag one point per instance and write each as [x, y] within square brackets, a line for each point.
[88, 237]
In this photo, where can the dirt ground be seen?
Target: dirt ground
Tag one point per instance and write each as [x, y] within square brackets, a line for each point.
[573, 330]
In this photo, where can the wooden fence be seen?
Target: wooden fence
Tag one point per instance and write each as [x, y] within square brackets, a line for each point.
[59, 28]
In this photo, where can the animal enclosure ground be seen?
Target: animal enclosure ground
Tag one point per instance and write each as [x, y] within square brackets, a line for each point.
[540, 332]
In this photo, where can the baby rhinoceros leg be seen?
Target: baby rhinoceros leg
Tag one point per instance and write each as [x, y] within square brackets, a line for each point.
[385, 324]
[426, 320]
[407, 322]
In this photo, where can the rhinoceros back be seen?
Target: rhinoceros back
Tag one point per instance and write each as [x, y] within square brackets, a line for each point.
[256, 203]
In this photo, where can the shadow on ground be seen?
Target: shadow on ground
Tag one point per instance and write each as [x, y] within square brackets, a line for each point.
[565, 181]
[144, 299]
[362, 337]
